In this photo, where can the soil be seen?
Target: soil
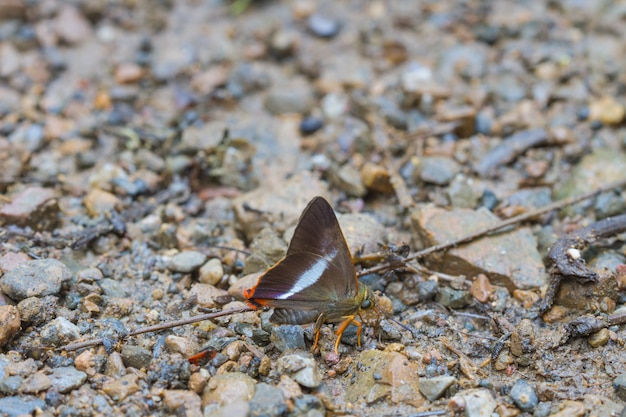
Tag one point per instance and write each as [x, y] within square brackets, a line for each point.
[157, 155]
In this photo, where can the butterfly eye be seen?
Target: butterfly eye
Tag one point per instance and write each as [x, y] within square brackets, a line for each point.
[366, 304]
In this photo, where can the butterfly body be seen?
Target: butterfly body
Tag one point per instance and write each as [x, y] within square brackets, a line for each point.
[315, 281]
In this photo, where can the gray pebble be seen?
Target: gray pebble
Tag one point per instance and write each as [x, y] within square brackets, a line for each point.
[301, 367]
[310, 406]
[619, 385]
[452, 298]
[136, 357]
[59, 331]
[11, 384]
[610, 204]
[290, 98]
[523, 395]
[67, 378]
[187, 261]
[35, 310]
[112, 288]
[287, 337]
[322, 26]
[438, 170]
[427, 290]
[19, 406]
[89, 275]
[268, 401]
[35, 279]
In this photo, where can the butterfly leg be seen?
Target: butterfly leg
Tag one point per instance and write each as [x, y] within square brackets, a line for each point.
[342, 328]
[318, 326]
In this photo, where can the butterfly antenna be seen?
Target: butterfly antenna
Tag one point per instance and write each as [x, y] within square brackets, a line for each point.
[390, 318]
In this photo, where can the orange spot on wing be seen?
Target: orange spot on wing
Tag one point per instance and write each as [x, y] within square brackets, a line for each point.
[201, 357]
[258, 302]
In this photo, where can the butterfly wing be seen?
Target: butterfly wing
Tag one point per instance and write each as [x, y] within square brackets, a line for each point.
[317, 272]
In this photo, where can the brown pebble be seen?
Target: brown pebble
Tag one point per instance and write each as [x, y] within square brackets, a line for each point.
[128, 73]
[503, 410]
[265, 366]
[84, 362]
[228, 387]
[72, 26]
[211, 272]
[620, 275]
[10, 260]
[115, 365]
[569, 408]
[481, 288]
[207, 295]
[118, 389]
[182, 345]
[178, 398]
[527, 298]
[599, 338]
[198, 380]
[607, 110]
[35, 207]
[555, 314]
[523, 338]
[100, 202]
[289, 387]
[376, 178]
[9, 323]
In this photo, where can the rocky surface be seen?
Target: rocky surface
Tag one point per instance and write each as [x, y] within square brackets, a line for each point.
[156, 157]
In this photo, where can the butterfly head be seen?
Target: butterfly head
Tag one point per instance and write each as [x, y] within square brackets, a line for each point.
[366, 298]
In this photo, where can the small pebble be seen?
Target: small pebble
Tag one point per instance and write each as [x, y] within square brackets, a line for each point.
[452, 298]
[310, 125]
[619, 385]
[599, 338]
[323, 27]
[67, 378]
[229, 387]
[182, 345]
[523, 395]
[208, 296]
[35, 207]
[268, 401]
[607, 110]
[136, 356]
[35, 383]
[187, 261]
[118, 389]
[428, 289]
[59, 331]
[211, 272]
[438, 170]
[434, 388]
[287, 337]
[289, 387]
[301, 367]
[178, 400]
[376, 178]
[9, 324]
[198, 380]
[481, 288]
[20, 405]
[35, 279]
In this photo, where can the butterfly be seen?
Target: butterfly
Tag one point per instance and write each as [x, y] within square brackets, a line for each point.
[315, 281]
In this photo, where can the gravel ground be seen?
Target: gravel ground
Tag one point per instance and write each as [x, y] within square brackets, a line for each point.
[156, 156]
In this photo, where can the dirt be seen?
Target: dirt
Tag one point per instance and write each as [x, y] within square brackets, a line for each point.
[156, 157]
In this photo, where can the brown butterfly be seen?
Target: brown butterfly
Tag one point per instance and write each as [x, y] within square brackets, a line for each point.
[315, 281]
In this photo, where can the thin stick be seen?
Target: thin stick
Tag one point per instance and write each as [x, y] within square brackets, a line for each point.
[513, 220]
[158, 327]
